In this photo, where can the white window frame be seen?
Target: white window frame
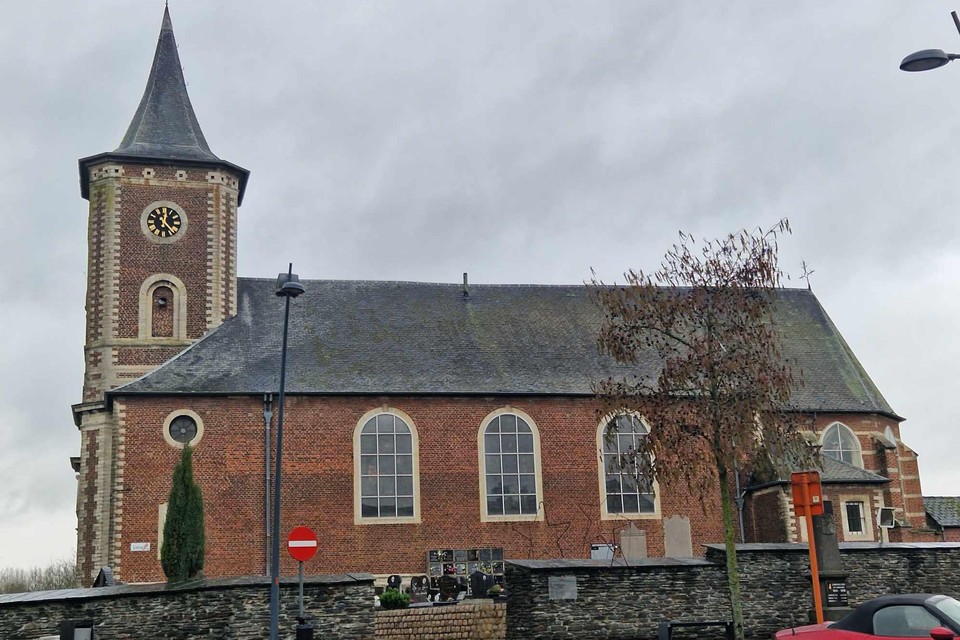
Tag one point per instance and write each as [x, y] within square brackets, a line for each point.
[482, 468]
[415, 445]
[857, 453]
[867, 535]
[605, 514]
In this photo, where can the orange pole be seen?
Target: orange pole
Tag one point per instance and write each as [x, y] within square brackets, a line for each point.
[814, 570]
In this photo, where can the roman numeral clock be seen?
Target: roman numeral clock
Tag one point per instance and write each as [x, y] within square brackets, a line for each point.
[164, 222]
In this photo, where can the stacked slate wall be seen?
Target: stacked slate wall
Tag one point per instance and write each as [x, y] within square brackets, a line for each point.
[235, 609]
[621, 601]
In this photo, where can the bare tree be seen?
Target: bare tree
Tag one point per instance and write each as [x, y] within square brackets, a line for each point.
[58, 574]
[721, 397]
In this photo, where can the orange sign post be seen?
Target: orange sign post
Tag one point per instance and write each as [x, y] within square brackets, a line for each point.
[808, 502]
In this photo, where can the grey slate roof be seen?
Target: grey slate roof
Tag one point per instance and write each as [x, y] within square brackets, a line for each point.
[945, 510]
[164, 127]
[358, 337]
[833, 471]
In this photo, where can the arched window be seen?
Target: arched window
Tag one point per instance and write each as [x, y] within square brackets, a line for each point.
[510, 463]
[840, 443]
[626, 492]
[386, 463]
[163, 307]
[162, 313]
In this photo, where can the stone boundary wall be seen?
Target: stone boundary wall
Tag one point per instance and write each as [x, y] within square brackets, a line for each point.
[469, 620]
[230, 608]
[621, 601]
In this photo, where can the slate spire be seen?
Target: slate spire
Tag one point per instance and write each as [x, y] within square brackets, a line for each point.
[165, 126]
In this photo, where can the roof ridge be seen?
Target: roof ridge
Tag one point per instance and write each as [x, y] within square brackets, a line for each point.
[530, 285]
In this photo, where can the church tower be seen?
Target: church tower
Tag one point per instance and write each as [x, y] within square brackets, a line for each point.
[162, 272]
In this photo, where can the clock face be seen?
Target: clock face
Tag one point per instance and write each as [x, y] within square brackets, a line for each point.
[164, 222]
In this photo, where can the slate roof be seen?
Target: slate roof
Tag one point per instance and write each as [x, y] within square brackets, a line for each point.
[361, 337]
[945, 510]
[164, 127]
[833, 471]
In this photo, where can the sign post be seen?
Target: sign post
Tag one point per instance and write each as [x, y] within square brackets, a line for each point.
[302, 545]
[808, 502]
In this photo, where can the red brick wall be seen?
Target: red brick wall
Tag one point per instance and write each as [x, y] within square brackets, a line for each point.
[318, 484]
[185, 258]
[903, 492]
[763, 517]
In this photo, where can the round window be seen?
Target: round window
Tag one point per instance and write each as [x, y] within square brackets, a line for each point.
[183, 429]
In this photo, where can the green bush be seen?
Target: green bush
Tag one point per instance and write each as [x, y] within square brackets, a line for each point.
[394, 599]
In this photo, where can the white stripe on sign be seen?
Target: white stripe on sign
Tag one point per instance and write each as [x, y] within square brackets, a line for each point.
[302, 543]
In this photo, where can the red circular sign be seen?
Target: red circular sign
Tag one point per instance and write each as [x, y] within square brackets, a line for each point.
[302, 544]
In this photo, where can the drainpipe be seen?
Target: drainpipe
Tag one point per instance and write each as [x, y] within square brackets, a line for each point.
[267, 418]
[739, 499]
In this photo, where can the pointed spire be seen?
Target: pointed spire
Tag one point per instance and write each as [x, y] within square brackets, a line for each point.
[167, 25]
[165, 126]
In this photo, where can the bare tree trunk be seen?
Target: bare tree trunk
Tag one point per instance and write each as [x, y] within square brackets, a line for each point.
[730, 542]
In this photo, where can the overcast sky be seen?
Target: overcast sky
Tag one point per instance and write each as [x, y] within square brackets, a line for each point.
[523, 142]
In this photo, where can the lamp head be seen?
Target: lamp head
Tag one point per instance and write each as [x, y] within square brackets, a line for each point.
[288, 285]
[926, 60]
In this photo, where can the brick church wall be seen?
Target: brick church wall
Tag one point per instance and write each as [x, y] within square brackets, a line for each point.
[318, 484]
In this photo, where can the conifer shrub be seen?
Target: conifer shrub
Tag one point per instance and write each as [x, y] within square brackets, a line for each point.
[182, 552]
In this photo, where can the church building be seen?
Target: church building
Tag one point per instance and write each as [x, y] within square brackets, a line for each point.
[426, 425]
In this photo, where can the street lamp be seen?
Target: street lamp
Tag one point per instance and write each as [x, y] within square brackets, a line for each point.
[930, 58]
[288, 286]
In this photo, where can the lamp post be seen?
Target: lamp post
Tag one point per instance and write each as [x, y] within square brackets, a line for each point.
[288, 286]
[930, 58]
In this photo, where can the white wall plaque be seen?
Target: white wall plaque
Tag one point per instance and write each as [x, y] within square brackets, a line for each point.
[139, 546]
[562, 587]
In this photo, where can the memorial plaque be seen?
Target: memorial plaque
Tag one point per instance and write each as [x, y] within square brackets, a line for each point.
[836, 593]
[562, 587]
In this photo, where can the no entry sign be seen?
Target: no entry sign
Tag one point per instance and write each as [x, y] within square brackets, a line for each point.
[302, 544]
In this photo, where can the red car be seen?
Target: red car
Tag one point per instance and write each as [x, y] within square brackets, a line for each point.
[919, 615]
